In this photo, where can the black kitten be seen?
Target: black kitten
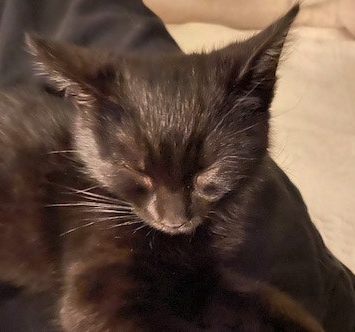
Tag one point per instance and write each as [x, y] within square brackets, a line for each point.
[153, 205]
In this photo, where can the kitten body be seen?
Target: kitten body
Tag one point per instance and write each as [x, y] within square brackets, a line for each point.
[152, 203]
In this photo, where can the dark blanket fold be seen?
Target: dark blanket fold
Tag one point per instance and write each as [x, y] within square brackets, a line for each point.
[124, 26]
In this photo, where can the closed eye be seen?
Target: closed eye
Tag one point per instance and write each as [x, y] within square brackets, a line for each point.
[138, 189]
[208, 191]
[209, 186]
[133, 186]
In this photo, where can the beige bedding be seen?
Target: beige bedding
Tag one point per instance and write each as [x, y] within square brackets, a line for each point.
[313, 115]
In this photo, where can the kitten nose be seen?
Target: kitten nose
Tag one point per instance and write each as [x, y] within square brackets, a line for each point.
[173, 209]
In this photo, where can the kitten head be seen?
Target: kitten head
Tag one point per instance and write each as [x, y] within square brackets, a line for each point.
[175, 134]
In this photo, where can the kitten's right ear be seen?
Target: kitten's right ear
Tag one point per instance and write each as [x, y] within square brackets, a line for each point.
[82, 73]
[251, 65]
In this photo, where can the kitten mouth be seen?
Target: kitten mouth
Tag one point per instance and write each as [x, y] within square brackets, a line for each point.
[186, 228]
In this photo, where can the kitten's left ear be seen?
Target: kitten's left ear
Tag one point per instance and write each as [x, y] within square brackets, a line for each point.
[82, 73]
[254, 61]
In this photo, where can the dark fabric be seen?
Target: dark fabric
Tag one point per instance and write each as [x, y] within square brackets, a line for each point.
[27, 313]
[121, 25]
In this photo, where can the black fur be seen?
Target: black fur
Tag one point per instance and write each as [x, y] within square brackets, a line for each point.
[152, 204]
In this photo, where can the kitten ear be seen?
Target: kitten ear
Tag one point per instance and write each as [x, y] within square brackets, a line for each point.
[80, 72]
[267, 45]
[255, 61]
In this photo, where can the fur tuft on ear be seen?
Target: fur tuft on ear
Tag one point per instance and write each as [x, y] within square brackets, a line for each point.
[250, 66]
[266, 47]
[82, 73]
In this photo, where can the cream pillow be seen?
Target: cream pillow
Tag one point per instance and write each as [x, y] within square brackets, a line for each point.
[256, 14]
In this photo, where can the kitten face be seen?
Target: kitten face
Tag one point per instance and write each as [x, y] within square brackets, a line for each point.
[175, 148]
[172, 135]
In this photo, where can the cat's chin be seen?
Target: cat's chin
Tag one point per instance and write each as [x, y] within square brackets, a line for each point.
[187, 228]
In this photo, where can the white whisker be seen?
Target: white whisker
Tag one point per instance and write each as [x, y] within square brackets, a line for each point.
[102, 197]
[127, 223]
[236, 158]
[87, 194]
[76, 228]
[139, 228]
[152, 238]
[62, 151]
[98, 200]
[119, 218]
[105, 207]
[91, 223]
[247, 128]
[117, 212]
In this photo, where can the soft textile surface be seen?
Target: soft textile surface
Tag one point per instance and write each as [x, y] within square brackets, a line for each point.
[122, 26]
[255, 14]
[313, 125]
